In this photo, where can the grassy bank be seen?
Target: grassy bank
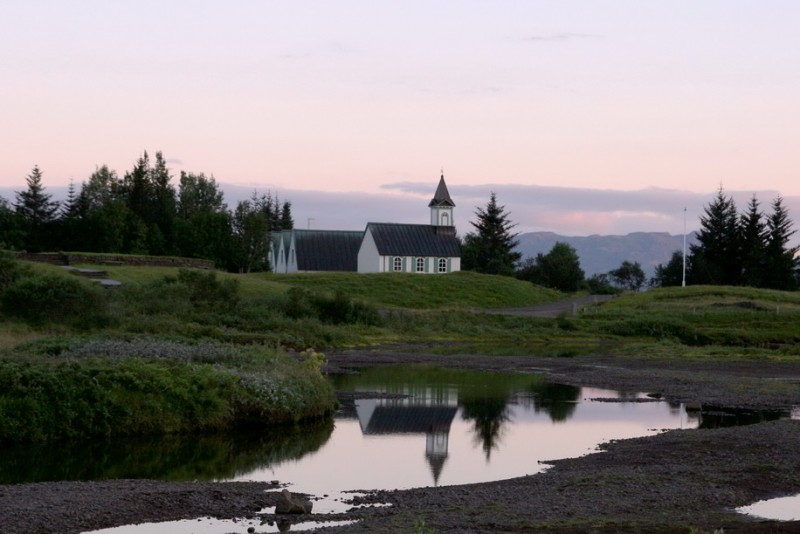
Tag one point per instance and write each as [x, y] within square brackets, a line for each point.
[68, 388]
[217, 340]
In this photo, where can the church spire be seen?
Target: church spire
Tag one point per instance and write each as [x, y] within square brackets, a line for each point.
[441, 206]
[442, 196]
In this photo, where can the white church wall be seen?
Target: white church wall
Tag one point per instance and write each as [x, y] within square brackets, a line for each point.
[369, 261]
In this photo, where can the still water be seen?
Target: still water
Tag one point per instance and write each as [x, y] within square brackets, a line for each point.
[426, 427]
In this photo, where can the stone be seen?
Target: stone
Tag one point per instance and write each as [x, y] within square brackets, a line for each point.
[288, 503]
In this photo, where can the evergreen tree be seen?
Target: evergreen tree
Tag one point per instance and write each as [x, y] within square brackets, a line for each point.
[715, 259]
[151, 202]
[670, 274]
[781, 262]
[37, 212]
[286, 221]
[490, 249]
[753, 243]
[163, 208]
[69, 231]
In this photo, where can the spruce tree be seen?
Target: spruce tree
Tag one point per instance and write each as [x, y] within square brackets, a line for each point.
[490, 249]
[753, 243]
[287, 221]
[715, 258]
[781, 264]
[37, 212]
[670, 274]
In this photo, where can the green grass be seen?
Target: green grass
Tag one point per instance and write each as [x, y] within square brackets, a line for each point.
[68, 388]
[460, 290]
[262, 313]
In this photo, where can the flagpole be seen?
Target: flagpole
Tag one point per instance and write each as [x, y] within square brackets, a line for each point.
[684, 248]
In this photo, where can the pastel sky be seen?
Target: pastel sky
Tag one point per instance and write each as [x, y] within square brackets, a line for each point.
[595, 100]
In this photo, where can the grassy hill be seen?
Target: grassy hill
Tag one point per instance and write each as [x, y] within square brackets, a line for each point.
[339, 309]
[461, 290]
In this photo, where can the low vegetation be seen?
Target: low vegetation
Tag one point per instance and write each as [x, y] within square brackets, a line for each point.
[184, 351]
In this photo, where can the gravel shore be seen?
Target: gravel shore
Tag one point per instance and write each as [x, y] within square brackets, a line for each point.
[671, 482]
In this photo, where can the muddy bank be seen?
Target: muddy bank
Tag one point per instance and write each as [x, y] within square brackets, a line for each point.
[664, 483]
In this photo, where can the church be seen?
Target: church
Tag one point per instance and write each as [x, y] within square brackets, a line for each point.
[382, 247]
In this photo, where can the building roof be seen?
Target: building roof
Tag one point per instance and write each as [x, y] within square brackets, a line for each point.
[327, 250]
[442, 196]
[414, 240]
[410, 419]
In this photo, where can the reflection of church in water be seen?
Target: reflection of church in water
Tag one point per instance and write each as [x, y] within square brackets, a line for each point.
[427, 410]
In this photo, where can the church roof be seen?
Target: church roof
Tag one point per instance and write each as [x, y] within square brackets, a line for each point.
[413, 240]
[327, 250]
[410, 419]
[442, 196]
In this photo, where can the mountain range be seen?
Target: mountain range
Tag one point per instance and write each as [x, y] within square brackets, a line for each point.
[602, 253]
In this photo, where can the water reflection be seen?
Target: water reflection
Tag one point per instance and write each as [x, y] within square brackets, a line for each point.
[163, 458]
[556, 400]
[718, 417]
[399, 427]
[488, 415]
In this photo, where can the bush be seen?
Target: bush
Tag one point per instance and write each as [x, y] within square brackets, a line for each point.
[10, 270]
[659, 328]
[68, 400]
[50, 298]
[147, 387]
[206, 289]
[339, 309]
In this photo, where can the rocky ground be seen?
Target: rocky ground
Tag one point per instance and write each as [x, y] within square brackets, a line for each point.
[680, 480]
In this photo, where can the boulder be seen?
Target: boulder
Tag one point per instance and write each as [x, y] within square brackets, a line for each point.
[289, 503]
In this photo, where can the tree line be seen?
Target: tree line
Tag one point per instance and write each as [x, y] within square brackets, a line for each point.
[144, 213]
[747, 249]
[738, 249]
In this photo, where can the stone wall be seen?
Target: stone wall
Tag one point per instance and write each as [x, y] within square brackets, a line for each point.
[69, 258]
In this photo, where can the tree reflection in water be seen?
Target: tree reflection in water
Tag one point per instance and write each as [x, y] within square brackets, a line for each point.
[488, 415]
[556, 400]
[209, 457]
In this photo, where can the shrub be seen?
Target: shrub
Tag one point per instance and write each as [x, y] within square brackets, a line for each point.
[148, 387]
[10, 270]
[50, 298]
[339, 309]
[659, 328]
[206, 289]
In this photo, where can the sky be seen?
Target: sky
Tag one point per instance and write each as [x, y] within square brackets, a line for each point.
[584, 117]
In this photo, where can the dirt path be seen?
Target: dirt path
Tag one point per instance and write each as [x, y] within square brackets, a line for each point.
[554, 309]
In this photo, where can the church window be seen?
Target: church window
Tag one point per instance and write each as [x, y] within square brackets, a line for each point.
[445, 220]
[398, 263]
[420, 265]
[442, 265]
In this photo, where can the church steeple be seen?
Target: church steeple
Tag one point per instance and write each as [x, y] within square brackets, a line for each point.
[441, 205]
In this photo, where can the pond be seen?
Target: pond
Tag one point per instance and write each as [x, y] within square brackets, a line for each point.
[427, 427]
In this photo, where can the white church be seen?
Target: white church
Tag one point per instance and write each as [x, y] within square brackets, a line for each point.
[382, 247]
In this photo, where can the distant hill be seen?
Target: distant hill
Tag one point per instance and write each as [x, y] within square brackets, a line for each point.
[602, 253]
